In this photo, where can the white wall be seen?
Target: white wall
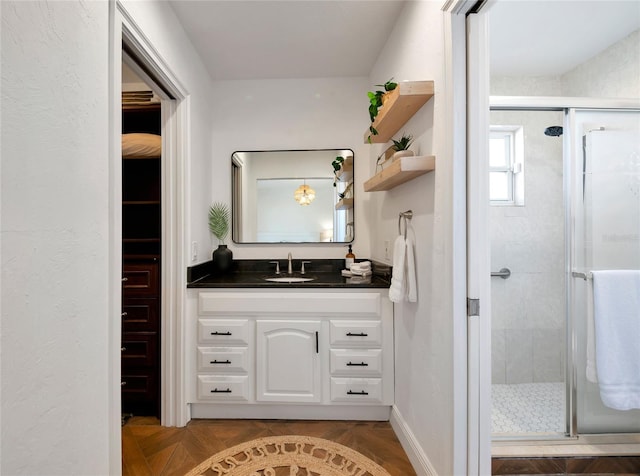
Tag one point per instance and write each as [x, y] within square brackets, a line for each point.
[424, 330]
[54, 225]
[320, 113]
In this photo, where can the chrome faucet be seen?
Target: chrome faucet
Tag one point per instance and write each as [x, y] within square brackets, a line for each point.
[290, 268]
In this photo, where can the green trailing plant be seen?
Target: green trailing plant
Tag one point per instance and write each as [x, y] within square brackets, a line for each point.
[219, 215]
[403, 143]
[375, 103]
[336, 164]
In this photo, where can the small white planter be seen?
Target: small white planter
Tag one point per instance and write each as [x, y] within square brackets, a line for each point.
[402, 153]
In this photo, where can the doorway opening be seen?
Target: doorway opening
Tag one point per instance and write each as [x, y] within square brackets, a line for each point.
[141, 244]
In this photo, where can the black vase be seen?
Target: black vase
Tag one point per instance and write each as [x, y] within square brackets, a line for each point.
[222, 259]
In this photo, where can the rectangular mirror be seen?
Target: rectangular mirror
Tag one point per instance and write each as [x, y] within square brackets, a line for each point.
[292, 196]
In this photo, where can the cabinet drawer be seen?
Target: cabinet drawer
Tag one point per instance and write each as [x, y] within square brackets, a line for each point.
[223, 359]
[140, 279]
[219, 387]
[226, 332]
[356, 333]
[140, 314]
[139, 349]
[356, 390]
[139, 385]
[366, 362]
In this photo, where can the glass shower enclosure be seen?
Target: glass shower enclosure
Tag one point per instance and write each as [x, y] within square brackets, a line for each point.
[605, 174]
[574, 208]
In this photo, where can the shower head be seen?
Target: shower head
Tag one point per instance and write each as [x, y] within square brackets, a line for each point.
[553, 131]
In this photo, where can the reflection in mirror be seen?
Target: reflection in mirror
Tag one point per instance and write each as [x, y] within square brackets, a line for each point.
[292, 196]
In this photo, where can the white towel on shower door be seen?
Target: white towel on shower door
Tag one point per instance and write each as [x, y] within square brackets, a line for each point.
[616, 305]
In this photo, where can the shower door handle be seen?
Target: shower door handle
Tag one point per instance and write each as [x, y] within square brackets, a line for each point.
[504, 273]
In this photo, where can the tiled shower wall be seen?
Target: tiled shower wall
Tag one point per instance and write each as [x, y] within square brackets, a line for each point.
[528, 308]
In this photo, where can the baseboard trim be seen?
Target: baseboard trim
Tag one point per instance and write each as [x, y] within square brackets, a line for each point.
[291, 411]
[416, 455]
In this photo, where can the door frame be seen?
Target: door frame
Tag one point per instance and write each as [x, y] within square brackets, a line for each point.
[466, 67]
[478, 242]
[175, 130]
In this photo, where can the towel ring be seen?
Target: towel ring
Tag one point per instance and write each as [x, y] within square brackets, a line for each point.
[404, 216]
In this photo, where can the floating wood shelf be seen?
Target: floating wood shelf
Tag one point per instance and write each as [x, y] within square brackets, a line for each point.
[346, 170]
[401, 104]
[344, 204]
[399, 172]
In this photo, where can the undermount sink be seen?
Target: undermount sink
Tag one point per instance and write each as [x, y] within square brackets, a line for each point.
[288, 279]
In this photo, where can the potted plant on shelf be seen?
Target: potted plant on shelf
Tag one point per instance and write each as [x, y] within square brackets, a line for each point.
[219, 215]
[376, 101]
[401, 147]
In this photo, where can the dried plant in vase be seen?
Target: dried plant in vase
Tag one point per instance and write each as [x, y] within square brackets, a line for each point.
[219, 217]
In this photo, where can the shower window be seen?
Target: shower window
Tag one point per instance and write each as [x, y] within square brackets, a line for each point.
[506, 156]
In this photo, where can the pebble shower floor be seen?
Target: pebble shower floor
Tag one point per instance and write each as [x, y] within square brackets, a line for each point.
[527, 408]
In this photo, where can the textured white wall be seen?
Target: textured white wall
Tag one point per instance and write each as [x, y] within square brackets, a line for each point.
[424, 330]
[54, 225]
[613, 73]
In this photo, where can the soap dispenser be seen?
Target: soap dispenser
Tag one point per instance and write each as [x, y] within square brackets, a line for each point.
[349, 259]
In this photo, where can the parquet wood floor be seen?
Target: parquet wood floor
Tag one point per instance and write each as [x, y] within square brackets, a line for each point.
[149, 449]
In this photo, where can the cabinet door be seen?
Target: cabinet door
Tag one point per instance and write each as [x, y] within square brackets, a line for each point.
[288, 361]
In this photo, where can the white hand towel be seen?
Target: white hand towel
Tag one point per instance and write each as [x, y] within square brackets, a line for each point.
[616, 316]
[397, 288]
[358, 268]
[412, 291]
[362, 264]
[361, 271]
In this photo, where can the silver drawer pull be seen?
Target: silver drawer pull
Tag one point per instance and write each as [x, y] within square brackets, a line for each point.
[351, 392]
[124, 280]
[125, 314]
[359, 334]
[361, 364]
[220, 361]
[215, 390]
[122, 349]
[122, 384]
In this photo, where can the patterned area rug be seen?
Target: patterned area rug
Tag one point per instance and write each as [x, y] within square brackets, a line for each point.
[288, 456]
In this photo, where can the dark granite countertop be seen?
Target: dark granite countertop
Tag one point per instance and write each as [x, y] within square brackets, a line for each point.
[252, 274]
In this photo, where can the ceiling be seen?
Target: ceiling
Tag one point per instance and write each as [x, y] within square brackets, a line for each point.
[288, 39]
[265, 39]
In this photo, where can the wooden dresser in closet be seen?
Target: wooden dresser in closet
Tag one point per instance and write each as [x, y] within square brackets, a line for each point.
[141, 295]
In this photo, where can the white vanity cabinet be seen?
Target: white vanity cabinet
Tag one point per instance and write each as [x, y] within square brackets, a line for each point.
[274, 353]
